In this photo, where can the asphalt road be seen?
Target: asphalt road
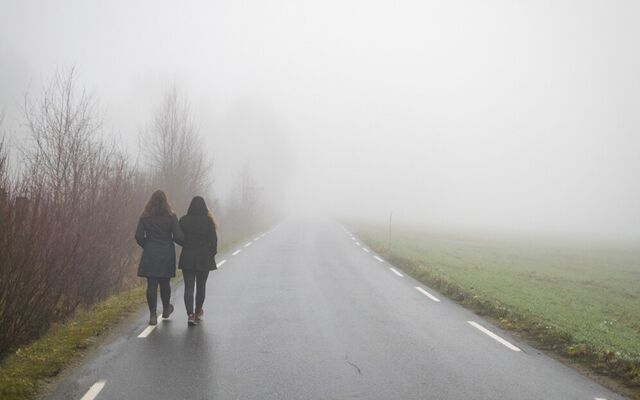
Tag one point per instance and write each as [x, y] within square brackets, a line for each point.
[305, 311]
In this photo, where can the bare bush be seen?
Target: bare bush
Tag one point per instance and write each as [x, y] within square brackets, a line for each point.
[65, 239]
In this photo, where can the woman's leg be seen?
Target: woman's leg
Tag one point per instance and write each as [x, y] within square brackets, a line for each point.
[189, 281]
[201, 288]
[152, 294]
[165, 292]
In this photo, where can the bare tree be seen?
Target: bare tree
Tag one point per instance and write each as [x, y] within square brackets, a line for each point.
[63, 123]
[173, 147]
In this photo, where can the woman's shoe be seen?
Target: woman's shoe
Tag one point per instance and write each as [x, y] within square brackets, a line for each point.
[153, 319]
[191, 320]
[199, 314]
[167, 312]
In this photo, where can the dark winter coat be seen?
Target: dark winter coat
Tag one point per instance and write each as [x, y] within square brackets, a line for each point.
[156, 234]
[200, 243]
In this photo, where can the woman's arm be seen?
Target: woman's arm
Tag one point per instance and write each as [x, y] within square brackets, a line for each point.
[176, 231]
[140, 236]
[214, 239]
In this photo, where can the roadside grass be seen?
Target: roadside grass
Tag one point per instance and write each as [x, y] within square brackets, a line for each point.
[25, 370]
[580, 302]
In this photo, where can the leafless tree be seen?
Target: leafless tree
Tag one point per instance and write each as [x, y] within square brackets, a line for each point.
[173, 147]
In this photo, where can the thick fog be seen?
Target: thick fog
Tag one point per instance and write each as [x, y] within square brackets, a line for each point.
[518, 116]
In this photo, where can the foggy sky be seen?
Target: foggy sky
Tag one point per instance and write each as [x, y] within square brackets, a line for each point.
[507, 115]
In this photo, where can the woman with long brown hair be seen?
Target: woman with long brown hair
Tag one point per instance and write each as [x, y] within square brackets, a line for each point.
[157, 229]
[198, 255]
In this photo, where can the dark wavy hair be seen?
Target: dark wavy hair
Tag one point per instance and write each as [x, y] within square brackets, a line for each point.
[199, 207]
[158, 204]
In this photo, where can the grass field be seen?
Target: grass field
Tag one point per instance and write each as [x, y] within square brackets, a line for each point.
[581, 301]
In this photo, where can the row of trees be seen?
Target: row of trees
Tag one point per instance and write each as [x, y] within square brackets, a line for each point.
[69, 206]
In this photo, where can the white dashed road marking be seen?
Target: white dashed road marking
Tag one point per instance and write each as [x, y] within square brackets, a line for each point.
[429, 295]
[365, 249]
[235, 253]
[395, 271]
[221, 263]
[493, 336]
[248, 244]
[378, 258]
[357, 243]
[94, 390]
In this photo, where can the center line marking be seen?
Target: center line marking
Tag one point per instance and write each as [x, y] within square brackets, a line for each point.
[493, 335]
[395, 271]
[367, 250]
[378, 258]
[357, 243]
[236, 252]
[429, 295]
[248, 244]
[94, 390]
[221, 263]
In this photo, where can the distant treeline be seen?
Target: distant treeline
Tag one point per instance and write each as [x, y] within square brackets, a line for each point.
[69, 205]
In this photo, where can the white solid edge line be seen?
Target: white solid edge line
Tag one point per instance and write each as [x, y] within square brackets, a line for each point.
[248, 244]
[236, 252]
[221, 263]
[395, 271]
[429, 295]
[493, 336]
[94, 390]
[378, 258]
[367, 250]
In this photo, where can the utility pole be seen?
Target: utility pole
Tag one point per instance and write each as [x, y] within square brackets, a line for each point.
[389, 232]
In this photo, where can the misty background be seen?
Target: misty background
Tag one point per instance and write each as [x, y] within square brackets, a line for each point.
[459, 115]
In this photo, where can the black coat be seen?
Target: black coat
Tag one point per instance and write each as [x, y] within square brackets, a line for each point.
[200, 243]
[156, 234]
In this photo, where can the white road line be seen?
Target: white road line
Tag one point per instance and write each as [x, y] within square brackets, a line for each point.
[235, 253]
[493, 335]
[248, 244]
[378, 258]
[352, 238]
[358, 244]
[147, 330]
[429, 295]
[395, 271]
[258, 238]
[365, 249]
[221, 263]
[94, 390]
[599, 398]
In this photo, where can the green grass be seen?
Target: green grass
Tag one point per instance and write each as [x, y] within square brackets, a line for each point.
[22, 372]
[582, 302]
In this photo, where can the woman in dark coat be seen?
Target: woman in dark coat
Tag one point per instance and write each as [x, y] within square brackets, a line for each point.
[157, 229]
[198, 255]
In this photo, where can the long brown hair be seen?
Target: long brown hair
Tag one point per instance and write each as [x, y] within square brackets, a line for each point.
[199, 207]
[158, 204]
